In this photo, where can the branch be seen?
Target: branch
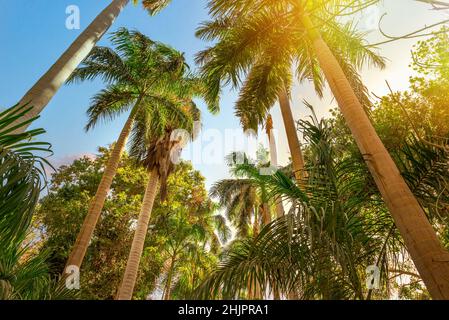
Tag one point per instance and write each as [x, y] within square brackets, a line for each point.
[415, 34]
[437, 5]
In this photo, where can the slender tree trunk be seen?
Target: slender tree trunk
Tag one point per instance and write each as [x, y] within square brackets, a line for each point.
[425, 249]
[256, 222]
[292, 135]
[76, 257]
[132, 266]
[266, 214]
[167, 290]
[90, 221]
[47, 86]
[274, 160]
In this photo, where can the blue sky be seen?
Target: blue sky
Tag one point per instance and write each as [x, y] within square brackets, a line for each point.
[33, 35]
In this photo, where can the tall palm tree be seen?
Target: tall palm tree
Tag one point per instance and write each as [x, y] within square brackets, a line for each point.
[188, 233]
[240, 200]
[154, 145]
[46, 87]
[139, 72]
[310, 20]
[264, 49]
[246, 201]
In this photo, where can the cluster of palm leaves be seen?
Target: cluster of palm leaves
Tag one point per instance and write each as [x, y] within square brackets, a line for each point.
[23, 273]
[336, 225]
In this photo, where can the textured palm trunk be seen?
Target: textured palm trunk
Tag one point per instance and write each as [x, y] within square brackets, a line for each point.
[423, 245]
[254, 290]
[47, 86]
[266, 214]
[256, 223]
[90, 221]
[76, 257]
[274, 160]
[292, 136]
[132, 266]
[167, 290]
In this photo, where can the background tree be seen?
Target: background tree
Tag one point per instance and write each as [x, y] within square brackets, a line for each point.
[61, 212]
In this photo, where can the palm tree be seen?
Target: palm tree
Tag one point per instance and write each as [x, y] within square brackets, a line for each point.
[154, 144]
[309, 20]
[264, 48]
[245, 199]
[139, 72]
[46, 87]
[188, 233]
[240, 200]
[23, 275]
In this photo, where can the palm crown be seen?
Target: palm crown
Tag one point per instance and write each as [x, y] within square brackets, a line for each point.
[262, 50]
[138, 70]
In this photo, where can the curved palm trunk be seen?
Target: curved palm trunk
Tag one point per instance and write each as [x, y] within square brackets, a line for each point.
[47, 86]
[78, 252]
[132, 266]
[292, 136]
[274, 160]
[426, 251]
[167, 290]
[90, 221]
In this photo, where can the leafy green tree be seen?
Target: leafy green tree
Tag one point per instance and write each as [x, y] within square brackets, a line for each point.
[60, 214]
[191, 245]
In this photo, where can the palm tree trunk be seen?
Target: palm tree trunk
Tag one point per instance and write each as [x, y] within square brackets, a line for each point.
[274, 160]
[292, 136]
[266, 214]
[256, 223]
[76, 257]
[426, 251]
[90, 221]
[47, 86]
[167, 290]
[132, 266]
